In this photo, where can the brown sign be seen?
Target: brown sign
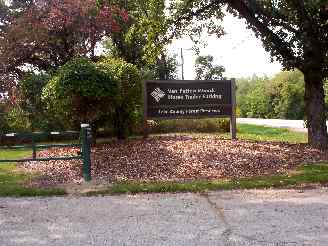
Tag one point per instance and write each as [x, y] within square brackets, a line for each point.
[189, 99]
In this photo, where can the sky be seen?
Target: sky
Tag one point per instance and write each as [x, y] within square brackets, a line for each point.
[239, 51]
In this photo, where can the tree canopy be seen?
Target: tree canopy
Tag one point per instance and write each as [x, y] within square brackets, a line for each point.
[44, 34]
[288, 29]
[295, 32]
[143, 37]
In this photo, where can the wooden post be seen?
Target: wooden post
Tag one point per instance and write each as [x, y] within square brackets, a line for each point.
[233, 125]
[144, 95]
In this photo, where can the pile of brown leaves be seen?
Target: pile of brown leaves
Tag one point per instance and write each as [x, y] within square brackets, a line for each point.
[179, 158]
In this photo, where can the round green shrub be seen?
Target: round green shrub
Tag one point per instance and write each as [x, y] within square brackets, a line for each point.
[81, 91]
[102, 94]
[127, 104]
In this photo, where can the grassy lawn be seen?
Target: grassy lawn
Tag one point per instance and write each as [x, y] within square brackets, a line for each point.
[12, 180]
[14, 154]
[251, 132]
[304, 175]
[263, 133]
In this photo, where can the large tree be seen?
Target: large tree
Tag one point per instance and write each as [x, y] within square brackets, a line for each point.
[44, 34]
[295, 32]
[143, 39]
[142, 35]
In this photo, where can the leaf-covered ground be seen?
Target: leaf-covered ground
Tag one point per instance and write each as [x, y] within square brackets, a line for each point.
[178, 158]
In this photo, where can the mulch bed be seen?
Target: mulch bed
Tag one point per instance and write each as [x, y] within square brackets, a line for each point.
[178, 158]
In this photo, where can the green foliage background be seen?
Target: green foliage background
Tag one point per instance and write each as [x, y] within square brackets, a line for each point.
[280, 97]
[3, 118]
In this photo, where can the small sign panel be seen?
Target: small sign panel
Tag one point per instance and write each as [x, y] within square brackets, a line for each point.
[189, 111]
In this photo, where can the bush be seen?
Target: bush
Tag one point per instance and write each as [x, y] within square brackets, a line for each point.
[3, 119]
[31, 88]
[101, 94]
[280, 97]
[190, 125]
[81, 91]
[126, 114]
[18, 120]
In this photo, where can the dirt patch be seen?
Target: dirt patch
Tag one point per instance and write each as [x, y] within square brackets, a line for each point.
[178, 158]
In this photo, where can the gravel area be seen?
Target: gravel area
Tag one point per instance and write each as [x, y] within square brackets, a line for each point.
[178, 158]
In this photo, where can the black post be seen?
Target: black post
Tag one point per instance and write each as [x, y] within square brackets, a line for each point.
[86, 151]
[182, 64]
[233, 124]
[144, 120]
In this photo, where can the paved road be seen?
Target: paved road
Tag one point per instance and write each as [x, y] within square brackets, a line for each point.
[297, 125]
[256, 217]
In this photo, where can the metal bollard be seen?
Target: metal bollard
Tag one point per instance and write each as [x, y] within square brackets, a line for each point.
[86, 151]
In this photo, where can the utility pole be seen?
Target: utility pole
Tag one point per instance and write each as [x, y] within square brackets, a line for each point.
[182, 63]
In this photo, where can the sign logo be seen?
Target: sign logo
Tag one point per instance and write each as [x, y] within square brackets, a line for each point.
[158, 94]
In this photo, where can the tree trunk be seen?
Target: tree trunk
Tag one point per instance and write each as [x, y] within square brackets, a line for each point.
[120, 123]
[315, 110]
[94, 129]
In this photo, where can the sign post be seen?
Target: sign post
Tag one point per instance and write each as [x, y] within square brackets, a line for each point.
[233, 124]
[190, 99]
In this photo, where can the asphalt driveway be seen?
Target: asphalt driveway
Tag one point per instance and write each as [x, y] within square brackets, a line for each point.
[256, 217]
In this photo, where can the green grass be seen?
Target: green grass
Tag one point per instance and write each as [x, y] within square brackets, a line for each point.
[306, 174]
[13, 180]
[254, 132]
[14, 154]
[244, 131]
[263, 133]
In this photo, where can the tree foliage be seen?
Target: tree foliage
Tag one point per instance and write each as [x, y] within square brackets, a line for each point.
[17, 120]
[287, 91]
[280, 97]
[80, 92]
[143, 38]
[193, 18]
[45, 34]
[165, 68]
[101, 94]
[30, 103]
[3, 118]
[206, 70]
[252, 98]
[295, 32]
[128, 100]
